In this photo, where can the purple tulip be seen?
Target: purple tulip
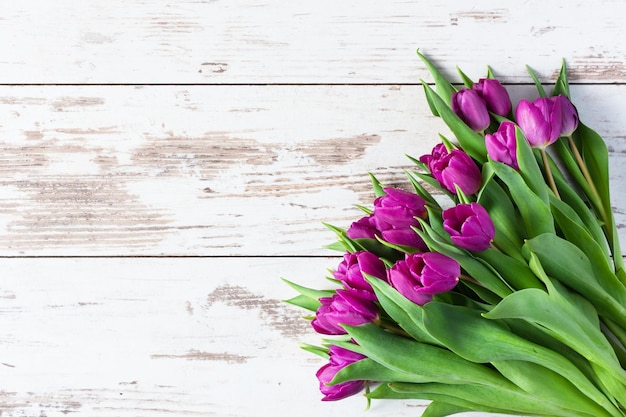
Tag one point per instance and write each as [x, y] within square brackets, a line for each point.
[569, 115]
[398, 208]
[453, 168]
[350, 307]
[471, 108]
[339, 359]
[422, 275]
[502, 145]
[351, 269]
[395, 213]
[541, 121]
[494, 94]
[364, 228]
[470, 226]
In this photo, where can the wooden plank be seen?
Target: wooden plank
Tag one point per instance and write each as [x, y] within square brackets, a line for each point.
[246, 41]
[158, 337]
[218, 170]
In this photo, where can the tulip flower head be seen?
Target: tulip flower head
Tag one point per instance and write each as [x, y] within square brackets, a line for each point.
[569, 115]
[494, 94]
[339, 359]
[350, 307]
[422, 275]
[364, 228]
[351, 269]
[541, 121]
[469, 226]
[502, 145]
[471, 108]
[454, 168]
[394, 215]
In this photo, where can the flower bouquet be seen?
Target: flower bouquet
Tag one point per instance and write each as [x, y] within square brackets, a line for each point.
[496, 284]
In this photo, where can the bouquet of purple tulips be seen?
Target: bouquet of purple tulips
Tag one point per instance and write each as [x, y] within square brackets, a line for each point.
[507, 292]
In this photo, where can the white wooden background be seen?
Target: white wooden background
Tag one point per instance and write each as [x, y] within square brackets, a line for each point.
[163, 163]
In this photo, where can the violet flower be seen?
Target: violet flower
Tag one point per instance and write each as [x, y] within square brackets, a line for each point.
[502, 145]
[351, 269]
[350, 307]
[453, 168]
[394, 215]
[422, 275]
[569, 115]
[339, 359]
[364, 228]
[494, 94]
[471, 108]
[541, 121]
[470, 226]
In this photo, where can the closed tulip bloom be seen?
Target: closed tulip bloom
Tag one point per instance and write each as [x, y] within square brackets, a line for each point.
[494, 94]
[396, 213]
[422, 275]
[569, 115]
[469, 226]
[471, 108]
[502, 145]
[456, 168]
[398, 208]
[351, 269]
[349, 307]
[339, 359]
[364, 228]
[541, 121]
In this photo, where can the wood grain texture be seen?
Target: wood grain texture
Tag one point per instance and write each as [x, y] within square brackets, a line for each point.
[160, 337]
[245, 41]
[214, 170]
[215, 137]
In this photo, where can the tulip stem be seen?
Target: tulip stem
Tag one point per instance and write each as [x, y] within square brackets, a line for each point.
[467, 278]
[585, 172]
[546, 165]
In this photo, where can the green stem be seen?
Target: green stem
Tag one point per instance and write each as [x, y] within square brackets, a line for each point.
[546, 165]
[585, 172]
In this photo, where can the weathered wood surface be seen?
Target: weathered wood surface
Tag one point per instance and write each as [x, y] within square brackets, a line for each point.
[218, 170]
[247, 41]
[163, 163]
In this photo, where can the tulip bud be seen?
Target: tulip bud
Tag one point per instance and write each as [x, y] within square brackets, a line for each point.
[350, 307]
[453, 169]
[469, 226]
[339, 359]
[422, 275]
[351, 269]
[395, 213]
[502, 145]
[494, 94]
[472, 109]
[541, 121]
[364, 228]
[569, 115]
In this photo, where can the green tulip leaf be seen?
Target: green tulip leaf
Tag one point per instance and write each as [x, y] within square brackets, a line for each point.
[441, 409]
[534, 212]
[475, 336]
[309, 297]
[561, 85]
[540, 90]
[528, 166]
[431, 363]
[503, 400]
[467, 81]
[370, 370]
[444, 88]
[564, 261]
[403, 311]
